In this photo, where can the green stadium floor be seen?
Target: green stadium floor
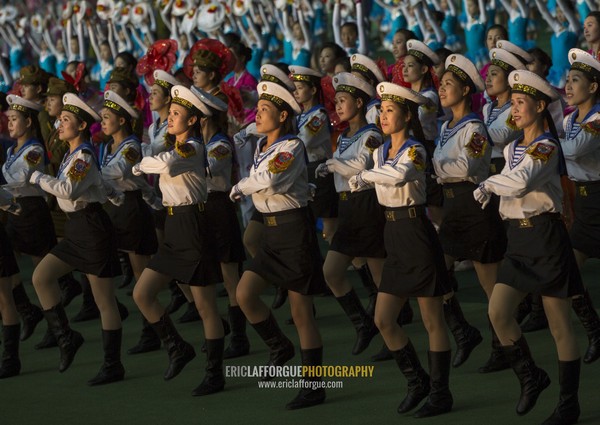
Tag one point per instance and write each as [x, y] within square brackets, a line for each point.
[41, 395]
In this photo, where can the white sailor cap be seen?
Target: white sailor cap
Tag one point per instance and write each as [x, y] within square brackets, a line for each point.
[395, 93]
[277, 94]
[302, 73]
[530, 83]
[584, 62]
[208, 99]
[183, 96]
[366, 67]
[505, 60]
[17, 103]
[521, 54]
[275, 75]
[421, 51]
[119, 105]
[350, 83]
[164, 79]
[73, 104]
[465, 70]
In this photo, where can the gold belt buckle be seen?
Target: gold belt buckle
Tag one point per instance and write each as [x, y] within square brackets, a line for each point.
[412, 212]
[201, 207]
[271, 220]
[449, 193]
[343, 196]
[582, 191]
[493, 168]
[390, 216]
[169, 210]
[525, 222]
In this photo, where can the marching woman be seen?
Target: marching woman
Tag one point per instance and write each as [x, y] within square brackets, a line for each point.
[88, 245]
[496, 114]
[313, 130]
[221, 216]
[10, 364]
[461, 161]
[582, 153]
[185, 254]
[360, 217]
[289, 254]
[539, 257]
[415, 262]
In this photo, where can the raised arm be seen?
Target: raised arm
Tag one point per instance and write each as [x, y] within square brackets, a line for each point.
[93, 41]
[421, 21]
[573, 22]
[440, 35]
[336, 23]
[50, 43]
[111, 39]
[363, 47]
[305, 32]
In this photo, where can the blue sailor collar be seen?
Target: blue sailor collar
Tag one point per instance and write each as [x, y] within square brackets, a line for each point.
[12, 156]
[345, 142]
[573, 128]
[87, 146]
[383, 152]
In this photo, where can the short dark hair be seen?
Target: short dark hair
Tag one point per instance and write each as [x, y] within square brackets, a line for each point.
[543, 57]
[501, 28]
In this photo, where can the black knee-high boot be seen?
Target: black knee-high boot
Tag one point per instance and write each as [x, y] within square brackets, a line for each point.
[239, 344]
[177, 298]
[310, 395]
[281, 348]
[591, 323]
[416, 377]
[149, 340]
[466, 336]
[363, 323]
[281, 295]
[366, 278]
[30, 313]
[214, 380]
[497, 360]
[69, 288]
[533, 380]
[440, 398]
[10, 365]
[567, 412]
[112, 369]
[180, 352]
[69, 340]
[48, 341]
[126, 269]
[537, 318]
[89, 309]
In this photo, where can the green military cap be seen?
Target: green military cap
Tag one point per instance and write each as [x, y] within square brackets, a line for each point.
[122, 76]
[58, 87]
[33, 74]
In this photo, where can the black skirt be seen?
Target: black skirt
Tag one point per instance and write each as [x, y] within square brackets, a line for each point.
[433, 190]
[289, 253]
[32, 231]
[224, 228]
[468, 232]
[539, 258]
[257, 216]
[186, 254]
[496, 166]
[8, 263]
[360, 225]
[133, 223]
[414, 266]
[325, 200]
[89, 244]
[585, 232]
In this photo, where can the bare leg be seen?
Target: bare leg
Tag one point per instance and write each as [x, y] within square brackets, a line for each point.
[302, 313]
[231, 278]
[205, 298]
[45, 280]
[146, 292]
[249, 289]
[329, 228]
[376, 268]
[432, 313]
[138, 263]
[387, 310]
[334, 271]
[486, 273]
[502, 308]
[557, 311]
[104, 295]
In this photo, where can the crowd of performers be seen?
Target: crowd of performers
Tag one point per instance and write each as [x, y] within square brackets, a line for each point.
[142, 167]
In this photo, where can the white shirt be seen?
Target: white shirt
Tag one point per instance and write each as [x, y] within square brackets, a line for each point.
[581, 146]
[220, 163]
[313, 130]
[20, 165]
[500, 127]
[158, 139]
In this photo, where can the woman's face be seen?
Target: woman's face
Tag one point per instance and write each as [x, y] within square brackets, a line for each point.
[180, 120]
[17, 124]
[54, 105]
[413, 71]
[327, 60]
[579, 88]
[496, 82]
[268, 117]
[537, 67]
[346, 106]
[349, 36]
[120, 63]
[201, 78]
[110, 122]
[591, 30]
[492, 38]
[399, 45]
[105, 53]
[525, 110]
[451, 90]
[157, 98]
[303, 93]
[70, 126]
[393, 118]
[297, 32]
[30, 91]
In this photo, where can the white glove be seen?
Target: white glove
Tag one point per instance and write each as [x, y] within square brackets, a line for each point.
[482, 196]
[322, 170]
[117, 198]
[136, 171]
[235, 194]
[34, 178]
